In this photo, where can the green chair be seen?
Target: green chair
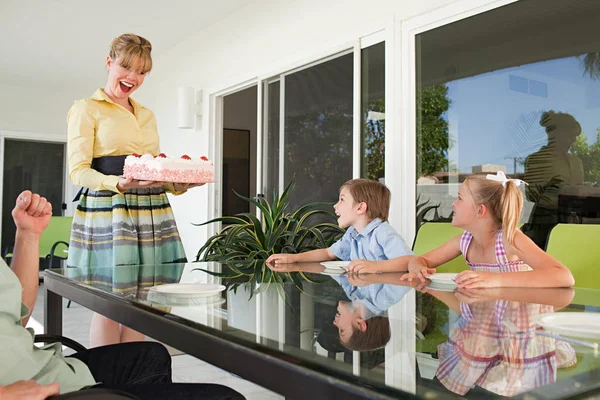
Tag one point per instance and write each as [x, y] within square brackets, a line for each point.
[577, 246]
[429, 236]
[54, 243]
[434, 234]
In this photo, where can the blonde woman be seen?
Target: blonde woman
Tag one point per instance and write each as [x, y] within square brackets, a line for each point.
[118, 221]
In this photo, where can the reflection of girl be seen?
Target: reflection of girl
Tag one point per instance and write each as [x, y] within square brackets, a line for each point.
[547, 170]
[482, 351]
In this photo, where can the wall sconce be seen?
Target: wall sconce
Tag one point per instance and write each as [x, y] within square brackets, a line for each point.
[189, 107]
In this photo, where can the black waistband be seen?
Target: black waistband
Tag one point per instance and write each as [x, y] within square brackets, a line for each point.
[108, 165]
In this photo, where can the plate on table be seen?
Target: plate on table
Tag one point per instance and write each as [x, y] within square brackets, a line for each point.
[189, 289]
[342, 265]
[189, 301]
[576, 324]
[441, 287]
[333, 272]
[444, 278]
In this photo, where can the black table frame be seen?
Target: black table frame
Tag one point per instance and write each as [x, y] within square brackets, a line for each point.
[282, 373]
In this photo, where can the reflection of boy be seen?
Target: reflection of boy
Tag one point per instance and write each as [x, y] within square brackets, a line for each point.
[362, 323]
[363, 208]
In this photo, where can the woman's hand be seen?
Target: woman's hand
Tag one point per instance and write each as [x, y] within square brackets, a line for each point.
[130, 183]
[182, 187]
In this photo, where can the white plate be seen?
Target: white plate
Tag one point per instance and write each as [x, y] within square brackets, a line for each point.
[190, 301]
[441, 287]
[446, 278]
[576, 324]
[188, 289]
[336, 264]
[333, 272]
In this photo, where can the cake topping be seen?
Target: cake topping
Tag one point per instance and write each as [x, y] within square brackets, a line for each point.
[186, 157]
[204, 158]
[136, 155]
[162, 155]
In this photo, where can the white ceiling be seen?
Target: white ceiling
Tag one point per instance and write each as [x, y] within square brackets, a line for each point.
[57, 42]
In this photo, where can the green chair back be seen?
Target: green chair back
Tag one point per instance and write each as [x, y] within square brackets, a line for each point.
[59, 229]
[577, 246]
[434, 234]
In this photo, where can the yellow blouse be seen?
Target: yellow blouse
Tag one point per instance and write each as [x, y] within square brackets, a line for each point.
[99, 127]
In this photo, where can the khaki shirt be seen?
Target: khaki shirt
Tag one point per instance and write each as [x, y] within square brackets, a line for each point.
[99, 127]
[20, 359]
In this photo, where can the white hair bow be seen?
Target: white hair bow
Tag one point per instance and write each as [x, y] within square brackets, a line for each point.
[501, 177]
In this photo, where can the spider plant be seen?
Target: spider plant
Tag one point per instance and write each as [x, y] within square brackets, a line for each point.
[247, 240]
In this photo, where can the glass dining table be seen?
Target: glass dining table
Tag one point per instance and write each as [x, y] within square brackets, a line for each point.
[306, 331]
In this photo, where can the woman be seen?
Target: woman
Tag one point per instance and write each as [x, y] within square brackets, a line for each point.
[118, 221]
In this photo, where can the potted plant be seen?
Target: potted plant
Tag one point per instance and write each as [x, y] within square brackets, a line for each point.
[247, 241]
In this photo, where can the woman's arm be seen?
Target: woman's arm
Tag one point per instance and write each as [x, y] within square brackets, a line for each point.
[80, 150]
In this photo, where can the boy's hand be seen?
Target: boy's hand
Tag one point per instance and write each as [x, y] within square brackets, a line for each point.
[362, 267]
[30, 390]
[31, 213]
[281, 259]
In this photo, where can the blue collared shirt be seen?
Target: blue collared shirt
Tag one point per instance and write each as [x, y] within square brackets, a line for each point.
[377, 241]
[377, 298]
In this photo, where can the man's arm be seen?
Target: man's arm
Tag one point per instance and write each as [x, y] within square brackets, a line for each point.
[31, 215]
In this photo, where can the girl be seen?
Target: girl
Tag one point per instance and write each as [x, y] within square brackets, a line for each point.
[489, 209]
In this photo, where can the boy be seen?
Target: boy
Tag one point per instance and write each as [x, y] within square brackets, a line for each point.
[369, 241]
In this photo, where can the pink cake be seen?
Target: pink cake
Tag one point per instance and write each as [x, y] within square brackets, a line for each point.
[165, 169]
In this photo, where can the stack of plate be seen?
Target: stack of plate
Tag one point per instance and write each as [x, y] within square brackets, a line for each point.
[186, 294]
[443, 282]
[335, 267]
[584, 325]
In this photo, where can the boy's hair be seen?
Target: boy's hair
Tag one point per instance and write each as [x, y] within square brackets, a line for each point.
[375, 194]
[376, 335]
[505, 203]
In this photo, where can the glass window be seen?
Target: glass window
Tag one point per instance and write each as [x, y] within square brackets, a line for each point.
[373, 112]
[515, 89]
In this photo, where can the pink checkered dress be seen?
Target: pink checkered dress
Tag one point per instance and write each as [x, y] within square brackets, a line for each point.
[482, 351]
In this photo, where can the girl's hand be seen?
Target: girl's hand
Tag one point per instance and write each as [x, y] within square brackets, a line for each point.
[474, 280]
[417, 271]
[130, 183]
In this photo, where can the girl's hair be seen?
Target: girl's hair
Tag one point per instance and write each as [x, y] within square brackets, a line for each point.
[130, 48]
[504, 203]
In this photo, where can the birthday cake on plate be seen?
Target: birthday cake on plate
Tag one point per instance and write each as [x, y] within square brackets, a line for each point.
[166, 169]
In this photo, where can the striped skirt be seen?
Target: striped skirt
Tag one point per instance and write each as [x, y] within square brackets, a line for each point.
[134, 228]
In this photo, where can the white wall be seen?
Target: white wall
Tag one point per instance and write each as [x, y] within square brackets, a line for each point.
[259, 40]
[37, 109]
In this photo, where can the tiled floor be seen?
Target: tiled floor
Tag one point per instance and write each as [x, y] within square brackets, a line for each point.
[76, 325]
